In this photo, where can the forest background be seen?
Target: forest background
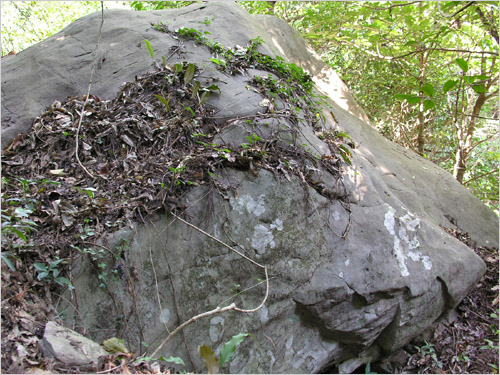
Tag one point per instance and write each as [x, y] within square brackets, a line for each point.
[426, 73]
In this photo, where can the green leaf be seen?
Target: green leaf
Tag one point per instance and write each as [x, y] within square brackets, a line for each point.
[8, 262]
[64, 281]
[427, 89]
[412, 99]
[179, 67]
[196, 88]
[428, 104]
[479, 88]
[204, 97]
[469, 79]
[211, 361]
[163, 100]
[345, 153]
[41, 267]
[230, 347]
[342, 134]
[20, 234]
[176, 360]
[212, 87]
[188, 77]
[115, 345]
[150, 49]
[449, 85]
[462, 64]
[22, 212]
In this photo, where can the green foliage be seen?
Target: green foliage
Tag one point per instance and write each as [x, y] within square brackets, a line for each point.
[212, 362]
[150, 49]
[417, 69]
[51, 272]
[156, 5]
[229, 348]
[210, 359]
[428, 349]
[25, 23]
[115, 345]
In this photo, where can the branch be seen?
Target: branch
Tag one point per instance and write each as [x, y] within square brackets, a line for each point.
[480, 176]
[465, 51]
[488, 25]
[393, 6]
[218, 309]
[458, 11]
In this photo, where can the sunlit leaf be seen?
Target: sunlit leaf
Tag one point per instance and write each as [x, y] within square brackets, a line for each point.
[188, 76]
[115, 345]
[211, 361]
[204, 97]
[449, 85]
[196, 88]
[427, 89]
[412, 99]
[479, 88]
[428, 104]
[150, 49]
[462, 64]
[163, 100]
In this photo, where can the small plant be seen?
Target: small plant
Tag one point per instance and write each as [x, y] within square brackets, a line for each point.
[207, 21]
[253, 139]
[213, 363]
[51, 271]
[428, 350]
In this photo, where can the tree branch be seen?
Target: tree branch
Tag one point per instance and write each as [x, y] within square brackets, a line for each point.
[480, 176]
[392, 6]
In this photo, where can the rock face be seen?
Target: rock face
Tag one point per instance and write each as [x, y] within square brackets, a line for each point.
[334, 299]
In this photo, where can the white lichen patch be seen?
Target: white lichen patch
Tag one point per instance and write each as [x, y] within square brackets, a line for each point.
[406, 243]
[247, 205]
[165, 316]
[277, 224]
[264, 315]
[216, 328]
[263, 236]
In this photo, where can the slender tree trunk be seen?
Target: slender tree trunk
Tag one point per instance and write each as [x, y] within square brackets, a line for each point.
[465, 140]
[421, 108]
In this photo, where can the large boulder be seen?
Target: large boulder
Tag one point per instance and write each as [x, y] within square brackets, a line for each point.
[356, 271]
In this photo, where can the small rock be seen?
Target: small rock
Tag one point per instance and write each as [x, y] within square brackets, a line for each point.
[70, 349]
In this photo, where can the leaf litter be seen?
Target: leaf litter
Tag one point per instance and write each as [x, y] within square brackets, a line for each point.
[144, 149]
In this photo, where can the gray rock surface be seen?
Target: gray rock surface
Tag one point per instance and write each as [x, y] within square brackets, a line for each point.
[69, 349]
[333, 300]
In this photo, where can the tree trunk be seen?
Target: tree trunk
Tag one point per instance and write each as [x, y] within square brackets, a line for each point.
[421, 108]
[465, 141]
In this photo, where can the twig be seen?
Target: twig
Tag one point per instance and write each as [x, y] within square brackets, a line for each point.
[82, 113]
[218, 309]
[111, 369]
[156, 283]
[217, 240]
[174, 298]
